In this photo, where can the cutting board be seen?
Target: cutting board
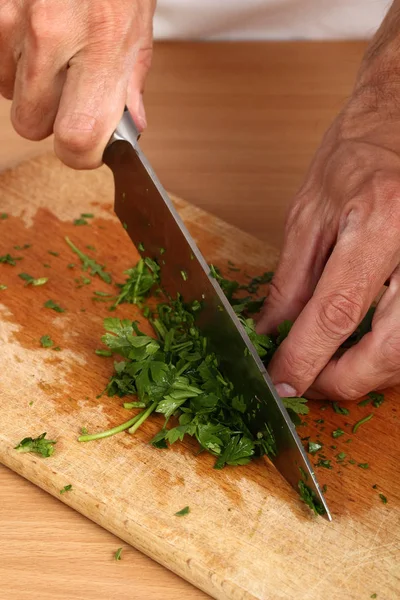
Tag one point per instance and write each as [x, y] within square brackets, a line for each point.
[247, 536]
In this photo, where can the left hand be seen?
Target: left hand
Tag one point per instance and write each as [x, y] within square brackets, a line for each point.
[342, 243]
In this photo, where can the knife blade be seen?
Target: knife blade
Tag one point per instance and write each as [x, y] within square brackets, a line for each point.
[149, 217]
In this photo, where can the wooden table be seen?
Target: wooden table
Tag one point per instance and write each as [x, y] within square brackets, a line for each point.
[232, 128]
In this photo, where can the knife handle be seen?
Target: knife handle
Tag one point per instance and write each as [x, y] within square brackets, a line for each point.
[126, 131]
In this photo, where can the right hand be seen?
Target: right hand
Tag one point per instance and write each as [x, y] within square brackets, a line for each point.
[70, 67]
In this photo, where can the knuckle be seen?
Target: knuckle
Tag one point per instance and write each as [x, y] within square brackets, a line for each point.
[343, 391]
[339, 315]
[8, 17]
[390, 352]
[78, 133]
[27, 118]
[298, 368]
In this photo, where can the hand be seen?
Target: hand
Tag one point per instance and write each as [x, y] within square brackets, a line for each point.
[342, 243]
[70, 66]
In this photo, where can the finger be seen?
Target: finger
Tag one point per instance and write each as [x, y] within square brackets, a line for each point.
[10, 36]
[137, 82]
[91, 105]
[373, 363]
[305, 251]
[40, 76]
[353, 276]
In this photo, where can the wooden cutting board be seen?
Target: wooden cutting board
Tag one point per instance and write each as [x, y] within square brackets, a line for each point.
[247, 535]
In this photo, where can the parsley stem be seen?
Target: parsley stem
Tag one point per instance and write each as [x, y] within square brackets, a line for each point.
[139, 267]
[362, 421]
[109, 432]
[142, 417]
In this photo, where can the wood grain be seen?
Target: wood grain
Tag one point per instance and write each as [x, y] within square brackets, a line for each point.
[246, 525]
[233, 126]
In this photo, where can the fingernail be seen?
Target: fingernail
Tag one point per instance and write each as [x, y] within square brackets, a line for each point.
[141, 114]
[285, 390]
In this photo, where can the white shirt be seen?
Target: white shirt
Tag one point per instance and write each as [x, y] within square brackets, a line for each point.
[268, 19]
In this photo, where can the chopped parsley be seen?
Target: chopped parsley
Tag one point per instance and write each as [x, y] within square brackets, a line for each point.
[53, 253]
[66, 488]
[341, 456]
[3, 216]
[363, 465]
[184, 511]
[361, 422]
[24, 247]
[54, 306]
[141, 279]
[337, 433]
[37, 445]
[377, 399]
[324, 463]
[102, 352]
[9, 260]
[118, 554]
[87, 216]
[340, 410]
[309, 497]
[2, 286]
[89, 264]
[314, 447]
[383, 498]
[46, 341]
[29, 280]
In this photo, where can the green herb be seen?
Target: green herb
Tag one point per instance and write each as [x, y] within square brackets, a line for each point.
[80, 222]
[9, 260]
[118, 554]
[324, 463]
[54, 306]
[337, 433]
[32, 280]
[375, 486]
[141, 280]
[57, 348]
[162, 250]
[184, 275]
[46, 341]
[90, 247]
[66, 488]
[324, 488]
[361, 422]
[24, 247]
[377, 399]
[352, 461]
[125, 226]
[374, 596]
[2, 286]
[87, 216]
[283, 331]
[70, 266]
[141, 247]
[38, 445]
[341, 456]
[84, 431]
[53, 253]
[31, 403]
[89, 264]
[130, 405]
[101, 352]
[309, 497]
[383, 498]
[82, 280]
[314, 447]
[3, 216]
[363, 465]
[46, 266]
[340, 410]
[296, 406]
[183, 512]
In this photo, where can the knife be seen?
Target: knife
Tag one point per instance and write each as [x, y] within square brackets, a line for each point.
[148, 215]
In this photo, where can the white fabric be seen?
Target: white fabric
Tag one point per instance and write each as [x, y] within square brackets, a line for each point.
[268, 19]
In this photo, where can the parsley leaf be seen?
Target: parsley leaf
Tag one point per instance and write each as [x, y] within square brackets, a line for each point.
[383, 498]
[38, 445]
[66, 488]
[340, 410]
[32, 280]
[9, 260]
[54, 306]
[118, 554]
[314, 447]
[89, 264]
[309, 497]
[183, 512]
[46, 341]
